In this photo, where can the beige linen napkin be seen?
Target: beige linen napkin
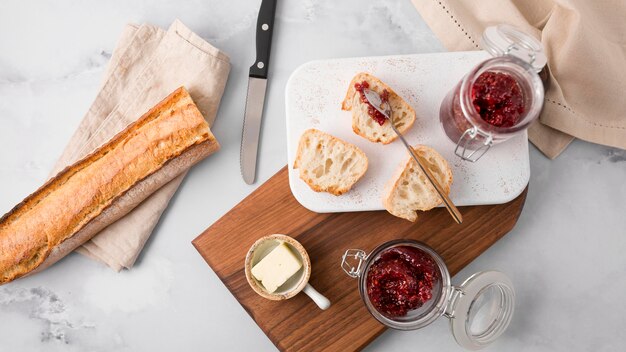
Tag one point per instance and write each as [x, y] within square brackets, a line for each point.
[147, 65]
[585, 42]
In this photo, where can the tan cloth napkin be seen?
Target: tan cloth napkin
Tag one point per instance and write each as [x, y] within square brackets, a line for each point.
[585, 42]
[147, 65]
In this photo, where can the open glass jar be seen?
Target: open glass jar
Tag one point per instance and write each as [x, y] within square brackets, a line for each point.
[406, 285]
[498, 98]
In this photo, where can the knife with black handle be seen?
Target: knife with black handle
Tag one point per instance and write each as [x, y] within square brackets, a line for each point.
[257, 84]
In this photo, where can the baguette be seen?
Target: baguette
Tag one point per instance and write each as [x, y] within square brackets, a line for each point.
[328, 164]
[94, 192]
[363, 124]
[409, 190]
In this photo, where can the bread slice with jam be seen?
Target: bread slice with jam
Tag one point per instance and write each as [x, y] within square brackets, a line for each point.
[369, 123]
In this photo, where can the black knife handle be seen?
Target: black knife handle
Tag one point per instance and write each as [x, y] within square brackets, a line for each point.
[264, 29]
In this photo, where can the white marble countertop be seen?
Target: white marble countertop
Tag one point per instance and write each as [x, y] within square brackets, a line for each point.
[565, 256]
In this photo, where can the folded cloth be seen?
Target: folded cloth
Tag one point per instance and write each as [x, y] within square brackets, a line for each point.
[585, 42]
[147, 65]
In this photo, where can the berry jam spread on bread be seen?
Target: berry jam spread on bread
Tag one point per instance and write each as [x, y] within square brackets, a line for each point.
[384, 98]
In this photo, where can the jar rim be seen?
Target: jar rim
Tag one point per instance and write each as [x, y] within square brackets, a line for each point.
[437, 309]
[511, 63]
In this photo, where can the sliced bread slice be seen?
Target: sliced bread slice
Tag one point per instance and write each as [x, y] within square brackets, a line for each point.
[363, 124]
[409, 190]
[328, 164]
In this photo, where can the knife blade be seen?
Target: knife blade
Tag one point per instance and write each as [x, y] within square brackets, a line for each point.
[257, 85]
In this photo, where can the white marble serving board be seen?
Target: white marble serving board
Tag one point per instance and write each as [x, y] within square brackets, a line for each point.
[313, 100]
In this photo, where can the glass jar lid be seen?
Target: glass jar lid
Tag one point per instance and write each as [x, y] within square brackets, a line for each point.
[481, 308]
[505, 39]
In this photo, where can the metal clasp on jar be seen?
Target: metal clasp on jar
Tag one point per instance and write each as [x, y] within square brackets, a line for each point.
[473, 136]
[352, 262]
[514, 50]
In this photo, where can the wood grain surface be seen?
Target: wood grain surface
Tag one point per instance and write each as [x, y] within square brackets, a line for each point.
[298, 324]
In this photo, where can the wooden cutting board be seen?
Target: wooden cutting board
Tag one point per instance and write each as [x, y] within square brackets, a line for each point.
[298, 324]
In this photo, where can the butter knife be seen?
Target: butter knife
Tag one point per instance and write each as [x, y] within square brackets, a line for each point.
[257, 84]
[377, 103]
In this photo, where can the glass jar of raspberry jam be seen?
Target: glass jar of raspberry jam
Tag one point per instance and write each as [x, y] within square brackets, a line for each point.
[497, 99]
[406, 285]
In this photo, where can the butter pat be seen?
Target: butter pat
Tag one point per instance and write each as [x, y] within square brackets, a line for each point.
[276, 267]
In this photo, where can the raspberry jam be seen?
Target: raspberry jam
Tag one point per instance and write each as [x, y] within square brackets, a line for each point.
[401, 280]
[498, 98]
[374, 114]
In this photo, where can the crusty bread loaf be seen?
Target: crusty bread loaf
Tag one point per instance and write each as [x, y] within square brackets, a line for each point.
[363, 124]
[409, 190]
[328, 164]
[99, 189]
